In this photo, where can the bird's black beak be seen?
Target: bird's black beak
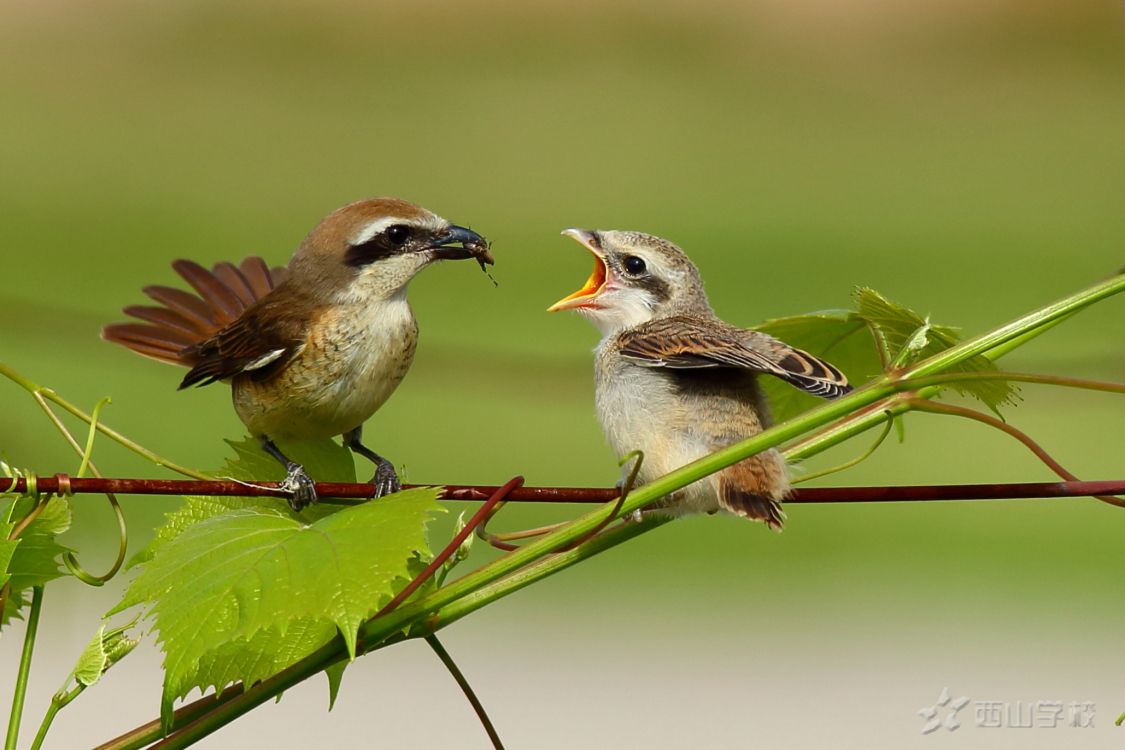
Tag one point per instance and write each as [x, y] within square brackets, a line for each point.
[459, 243]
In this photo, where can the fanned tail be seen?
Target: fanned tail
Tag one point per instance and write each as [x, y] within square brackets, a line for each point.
[169, 333]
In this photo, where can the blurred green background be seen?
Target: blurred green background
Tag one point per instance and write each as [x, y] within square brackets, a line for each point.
[964, 158]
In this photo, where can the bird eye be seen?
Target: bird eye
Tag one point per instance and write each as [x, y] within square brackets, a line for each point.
[634, 266]
[398, 233]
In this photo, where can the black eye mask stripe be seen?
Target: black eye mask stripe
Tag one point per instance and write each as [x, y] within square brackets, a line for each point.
[375, 249]
[658, 288]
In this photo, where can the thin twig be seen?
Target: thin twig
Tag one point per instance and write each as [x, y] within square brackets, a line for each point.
[466, 688]
[70, 559]
[587, 495]
[498, 496]
[1023, 437]
[854, 461]
[40, 392]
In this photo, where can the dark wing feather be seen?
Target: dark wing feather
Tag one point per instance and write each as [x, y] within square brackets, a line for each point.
[685, 342]
[259, 343]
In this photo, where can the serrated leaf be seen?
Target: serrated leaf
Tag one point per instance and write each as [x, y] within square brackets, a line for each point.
[335, 675]
[223, 581]
[896, 325]
[7, 549]
[13, 607]
[252, 659]
[324, 460]
[33, 558]
[837, 336]
[35, 561]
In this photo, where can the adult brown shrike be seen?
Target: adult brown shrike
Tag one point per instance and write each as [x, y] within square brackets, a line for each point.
[313, 350]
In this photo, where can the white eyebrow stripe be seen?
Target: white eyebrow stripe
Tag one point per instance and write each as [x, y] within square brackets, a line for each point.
[368, 232]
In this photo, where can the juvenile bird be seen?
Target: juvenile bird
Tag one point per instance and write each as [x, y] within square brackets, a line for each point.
[678, 383]
[313, 350]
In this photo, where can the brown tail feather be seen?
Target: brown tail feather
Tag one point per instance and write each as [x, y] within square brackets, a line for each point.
[162, 316]
[229, 274]
[156, 342]
[187, 304]
[754, 488]
[260, 276]
[755, 508]
[170, 333]
[218, 296]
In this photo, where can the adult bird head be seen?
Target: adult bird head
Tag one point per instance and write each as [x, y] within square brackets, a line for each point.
[372, 248]
[636, 277]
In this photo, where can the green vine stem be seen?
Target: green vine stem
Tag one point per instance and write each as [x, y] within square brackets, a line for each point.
[851, 462]
[70, 559]
[20, 693]
[466, 688]
[140, 450]
[1019, 377]
[58, 702]
[531, 562]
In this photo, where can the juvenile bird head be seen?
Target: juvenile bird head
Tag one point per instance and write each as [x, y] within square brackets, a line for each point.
[372, 248]
[636, 277]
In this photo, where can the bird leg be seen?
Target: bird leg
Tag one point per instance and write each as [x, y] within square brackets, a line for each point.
[385, 479]
[298, 484]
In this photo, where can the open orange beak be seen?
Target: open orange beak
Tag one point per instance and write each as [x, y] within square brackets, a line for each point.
[594, 285]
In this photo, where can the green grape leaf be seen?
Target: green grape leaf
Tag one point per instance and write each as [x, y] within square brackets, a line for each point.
[324, 460]
[13, 607]
[103, 651]
[848, 340]
[252, 659]
[837, 336]
[8, 546]
[335, 675]
[215, 587]
[898, 328]
[7, 550]
[92, 661]
[35, 560]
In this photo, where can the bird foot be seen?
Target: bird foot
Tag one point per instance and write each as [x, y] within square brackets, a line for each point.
[385, 479]
[299, 486]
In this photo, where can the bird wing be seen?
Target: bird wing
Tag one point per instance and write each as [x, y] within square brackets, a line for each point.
[183, 321]
[685, 342]
[259, 343]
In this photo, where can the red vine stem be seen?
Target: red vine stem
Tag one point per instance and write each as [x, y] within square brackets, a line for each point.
[497, 496]
[344, 491]
[1023, 437]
